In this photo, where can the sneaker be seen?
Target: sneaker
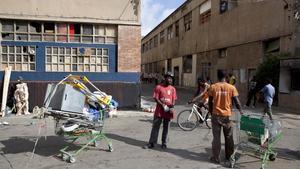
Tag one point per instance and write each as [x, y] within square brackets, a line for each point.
[214, 160]
[149, 146]
[163, 146]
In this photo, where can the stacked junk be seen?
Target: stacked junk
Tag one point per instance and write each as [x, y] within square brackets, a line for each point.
[77, 112]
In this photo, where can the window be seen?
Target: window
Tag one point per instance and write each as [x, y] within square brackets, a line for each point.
[271, 46]
[177, 28]
[188, 21]
[151, 43]
[222, 53]
[170, 32]
[205, 70]
[295, 80]
[227, 5]
[155, 40]
[67, 59]
[58, 32]
[162, 37]
[205, 12]
[143, 48]
[87, 33]
[169, 65]
[7, 30]
[49, 32]
[62, 32]
[20, 58]
[21, 31]
[187, 64]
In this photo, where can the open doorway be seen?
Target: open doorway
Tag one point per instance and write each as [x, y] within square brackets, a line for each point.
[176, 75]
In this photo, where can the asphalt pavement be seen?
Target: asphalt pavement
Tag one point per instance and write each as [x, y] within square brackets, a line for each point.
[129, 131]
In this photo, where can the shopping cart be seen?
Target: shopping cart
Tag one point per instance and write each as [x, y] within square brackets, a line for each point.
[257, 135]
[76, 125]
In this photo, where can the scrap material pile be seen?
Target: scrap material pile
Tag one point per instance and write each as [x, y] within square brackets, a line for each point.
[78, 112]
[258, 135]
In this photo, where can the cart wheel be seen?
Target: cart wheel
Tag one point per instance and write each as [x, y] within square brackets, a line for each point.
[72, 159]
[64, 157]
[272, 157]
[110, 148]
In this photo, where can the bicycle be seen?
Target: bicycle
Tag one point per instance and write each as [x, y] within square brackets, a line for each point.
[188, 120]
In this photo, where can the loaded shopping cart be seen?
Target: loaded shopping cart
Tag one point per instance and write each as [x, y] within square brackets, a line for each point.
[258, 135]
[78, 112]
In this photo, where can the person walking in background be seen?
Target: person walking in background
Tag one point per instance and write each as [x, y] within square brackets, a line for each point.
[221, 96]
[252, 92]
[165, 96]
[268, 92]
[232, 79]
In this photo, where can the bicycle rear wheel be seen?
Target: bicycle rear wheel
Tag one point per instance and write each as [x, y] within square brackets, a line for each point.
[187, 120]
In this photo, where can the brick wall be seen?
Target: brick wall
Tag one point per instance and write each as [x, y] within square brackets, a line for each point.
[129, 48]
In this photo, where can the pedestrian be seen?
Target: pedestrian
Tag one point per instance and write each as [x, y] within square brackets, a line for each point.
[165, 96]
[268, 92]
[208, 80]
[252, 92]
[232, 79]
[221, 96]
[201, 96]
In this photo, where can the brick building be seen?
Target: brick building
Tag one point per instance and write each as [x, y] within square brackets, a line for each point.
[203, 36]
[43, 41]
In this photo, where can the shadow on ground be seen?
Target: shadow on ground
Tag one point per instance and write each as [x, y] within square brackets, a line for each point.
[183, 153]
[45, 147]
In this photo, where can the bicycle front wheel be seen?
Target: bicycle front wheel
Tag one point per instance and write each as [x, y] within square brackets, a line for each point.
[187, 120]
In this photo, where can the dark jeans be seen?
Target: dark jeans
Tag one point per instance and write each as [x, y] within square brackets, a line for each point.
[155, 130]
[251, 94]
[219, 122]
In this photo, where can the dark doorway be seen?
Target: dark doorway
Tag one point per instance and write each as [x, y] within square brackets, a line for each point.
[176, 75]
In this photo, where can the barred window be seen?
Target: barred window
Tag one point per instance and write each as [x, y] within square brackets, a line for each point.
[67, 59]
[162, 36]
[58, 32]
[205, 12]
[20, 58]
[188, 21]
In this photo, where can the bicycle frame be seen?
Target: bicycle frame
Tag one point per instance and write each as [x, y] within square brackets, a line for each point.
[195, 108]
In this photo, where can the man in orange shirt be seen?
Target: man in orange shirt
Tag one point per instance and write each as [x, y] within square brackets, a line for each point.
[221, 95]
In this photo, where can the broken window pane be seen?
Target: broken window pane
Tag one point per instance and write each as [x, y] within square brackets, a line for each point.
[49, 27]
[21, 27]
[7, 36]
[35, 27]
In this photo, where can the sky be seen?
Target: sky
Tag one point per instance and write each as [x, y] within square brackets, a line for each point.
[155, 11]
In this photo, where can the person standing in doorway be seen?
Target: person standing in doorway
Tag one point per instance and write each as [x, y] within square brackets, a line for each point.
[252, 92]
[165, 96]
[221, 96]
[268, 92]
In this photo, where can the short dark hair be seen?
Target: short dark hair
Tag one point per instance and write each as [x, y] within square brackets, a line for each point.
[221, 74]
[200, 80]
[268, 80]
